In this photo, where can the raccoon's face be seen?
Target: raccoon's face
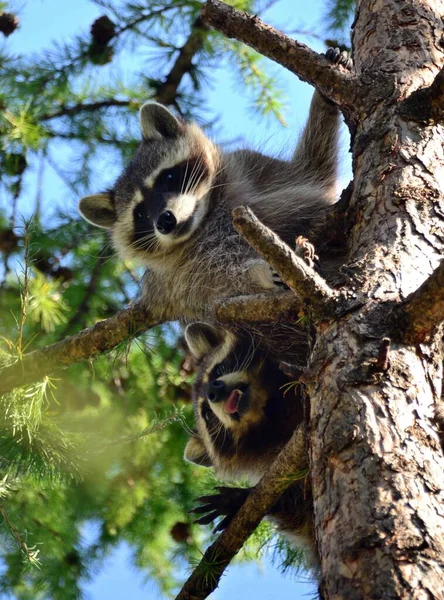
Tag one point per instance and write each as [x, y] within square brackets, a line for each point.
[241, 411]
[162, 197]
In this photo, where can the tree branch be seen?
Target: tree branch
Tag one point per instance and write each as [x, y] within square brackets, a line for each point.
[336, 84]
[207, 574]
[424, 308]
[102, 337]
[311, 289]
[167, 92]
[426, 105]
[67, 111]
[260, 307]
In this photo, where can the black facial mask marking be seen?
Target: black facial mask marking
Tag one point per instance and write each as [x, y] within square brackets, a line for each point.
[143, 225]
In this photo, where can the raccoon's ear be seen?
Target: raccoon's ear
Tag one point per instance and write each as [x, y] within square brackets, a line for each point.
[196, 453]
[201, 338]
[157, 122]
[98, 210]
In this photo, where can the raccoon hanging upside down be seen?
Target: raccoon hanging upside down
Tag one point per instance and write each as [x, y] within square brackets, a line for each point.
[171, 207]
[244, 417]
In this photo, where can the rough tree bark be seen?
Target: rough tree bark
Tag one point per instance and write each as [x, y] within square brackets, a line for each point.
[375, 376]
[376, 464]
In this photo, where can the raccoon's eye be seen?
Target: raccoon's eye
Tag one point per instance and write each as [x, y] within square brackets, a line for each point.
[171, 179]
[207, 413]
[219, 371]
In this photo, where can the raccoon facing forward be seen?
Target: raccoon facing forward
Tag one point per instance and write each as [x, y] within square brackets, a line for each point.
[244, 417]
[171, 208]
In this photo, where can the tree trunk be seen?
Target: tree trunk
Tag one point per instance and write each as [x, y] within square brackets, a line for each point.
[376, 462]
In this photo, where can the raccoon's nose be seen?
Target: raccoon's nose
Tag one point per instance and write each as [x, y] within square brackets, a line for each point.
[166, 222]
[216, 390]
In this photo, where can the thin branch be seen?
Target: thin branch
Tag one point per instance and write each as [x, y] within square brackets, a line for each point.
[311, 289]
[426, 105]
[102, 337]
[207, 574]
[167, 91]
[335, 83]
[79, 316]
[424, 309]
[259, 308]
[67, 111]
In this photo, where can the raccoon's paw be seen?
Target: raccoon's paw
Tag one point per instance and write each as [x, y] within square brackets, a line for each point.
[224, 504]
[336, 57]
[306, 251]
[265, 276]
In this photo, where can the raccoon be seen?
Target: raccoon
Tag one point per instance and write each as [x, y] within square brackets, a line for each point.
[171, 208]
[244, 418]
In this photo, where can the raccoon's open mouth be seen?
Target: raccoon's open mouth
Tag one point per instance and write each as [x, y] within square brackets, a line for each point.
[234, 404]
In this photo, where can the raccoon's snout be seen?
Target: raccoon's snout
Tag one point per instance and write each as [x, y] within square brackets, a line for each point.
[216, 390]
[166, 222]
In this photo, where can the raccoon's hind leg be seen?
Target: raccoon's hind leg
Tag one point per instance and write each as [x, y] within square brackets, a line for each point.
[316, 155]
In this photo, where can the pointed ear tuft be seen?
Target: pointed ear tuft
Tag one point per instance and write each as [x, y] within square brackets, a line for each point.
[196, 453]
[98, 210]
[202, 337]
[157, 122]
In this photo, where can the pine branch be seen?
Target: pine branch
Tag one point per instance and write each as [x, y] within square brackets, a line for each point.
[167, 91]
[102, 337]
[424, 309]
[82, 310]
[68, 111]
[206, 576]
[280, 307]
[334, 83]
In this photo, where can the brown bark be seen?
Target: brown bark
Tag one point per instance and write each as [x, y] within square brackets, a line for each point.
[425, 308]
[377, 468]
[260, 307]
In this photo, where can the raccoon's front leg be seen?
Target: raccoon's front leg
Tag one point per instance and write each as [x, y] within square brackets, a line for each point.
[224, 504]
[292, 513]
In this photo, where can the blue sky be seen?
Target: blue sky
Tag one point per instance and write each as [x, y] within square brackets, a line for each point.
[43, 21]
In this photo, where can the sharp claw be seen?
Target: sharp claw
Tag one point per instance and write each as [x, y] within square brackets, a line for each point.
[201, 509]
[207, 518]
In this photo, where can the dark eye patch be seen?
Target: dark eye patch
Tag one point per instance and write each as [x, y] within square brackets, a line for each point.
[143, 225]
[181, 178]
[207, 414]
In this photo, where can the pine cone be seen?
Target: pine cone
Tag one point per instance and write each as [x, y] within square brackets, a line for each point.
[181, 532]
[8, 23]
[103, 30]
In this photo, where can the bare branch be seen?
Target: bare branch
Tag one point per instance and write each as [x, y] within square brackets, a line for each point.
[67, 111]
[167, 92]
[310, 288]
[335, 83]
[260, 307]
[426, 105]
[102, 337]
[207, 574]
[424, 308]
